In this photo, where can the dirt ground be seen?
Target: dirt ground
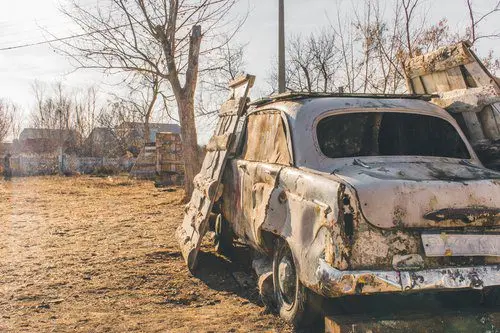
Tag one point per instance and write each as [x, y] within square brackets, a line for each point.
[99, 255]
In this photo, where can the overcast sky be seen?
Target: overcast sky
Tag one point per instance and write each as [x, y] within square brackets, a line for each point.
[23, 22]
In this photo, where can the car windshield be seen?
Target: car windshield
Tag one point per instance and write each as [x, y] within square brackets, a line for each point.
[388, 134]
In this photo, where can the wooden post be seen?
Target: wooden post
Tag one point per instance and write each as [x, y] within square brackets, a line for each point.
[281, 47]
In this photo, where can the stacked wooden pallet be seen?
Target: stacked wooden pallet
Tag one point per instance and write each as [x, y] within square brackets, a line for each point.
[169, 160]
[466, 89]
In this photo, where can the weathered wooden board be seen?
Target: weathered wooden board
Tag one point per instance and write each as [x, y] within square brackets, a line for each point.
[464, 85]
[441, 81]
[439, 60]
[429, 84]
[455, 78]
[478, 74]
[418, 87]
[207, 181]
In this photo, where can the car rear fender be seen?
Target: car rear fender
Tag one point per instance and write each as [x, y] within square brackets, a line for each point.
[303, 209]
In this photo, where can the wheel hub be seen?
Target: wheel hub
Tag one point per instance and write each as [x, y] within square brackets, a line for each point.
[287, 279]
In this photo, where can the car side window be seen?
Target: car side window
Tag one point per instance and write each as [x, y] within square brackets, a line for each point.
[265, 139]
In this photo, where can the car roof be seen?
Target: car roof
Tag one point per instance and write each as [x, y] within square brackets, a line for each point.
[304, 111]
[313, 104]
[305, 95]
[301, 109]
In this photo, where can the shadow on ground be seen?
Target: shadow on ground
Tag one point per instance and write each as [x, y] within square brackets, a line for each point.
[232, 274]
[451, 312]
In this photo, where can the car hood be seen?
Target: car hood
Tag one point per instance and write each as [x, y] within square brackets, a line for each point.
[425, 194]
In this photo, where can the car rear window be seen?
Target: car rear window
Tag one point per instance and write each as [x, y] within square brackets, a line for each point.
[388, 134]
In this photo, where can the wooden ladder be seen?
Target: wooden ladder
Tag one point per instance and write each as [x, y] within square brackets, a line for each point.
[207, 181]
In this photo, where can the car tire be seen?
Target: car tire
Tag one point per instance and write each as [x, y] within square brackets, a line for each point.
[291, 297]
[223, 239]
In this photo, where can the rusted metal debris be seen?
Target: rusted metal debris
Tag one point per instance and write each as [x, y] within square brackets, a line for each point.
[206, 183]
[334, 283]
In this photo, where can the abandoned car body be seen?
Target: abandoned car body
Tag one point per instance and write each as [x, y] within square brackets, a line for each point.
[361, 195]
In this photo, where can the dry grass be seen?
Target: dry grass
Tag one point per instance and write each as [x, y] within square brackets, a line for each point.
[98, 255]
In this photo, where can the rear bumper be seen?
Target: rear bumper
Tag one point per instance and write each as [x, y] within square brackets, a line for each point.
[336, 283]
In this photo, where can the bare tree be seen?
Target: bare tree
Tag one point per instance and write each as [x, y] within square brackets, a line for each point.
[73, 112]
[160, 37]
[16, 121]
[225, 64]
[112, 115]
[86, 110]
[7, 112]
[365, 52]
[409, 7]
[472, 32]
[351, 66]
[312, 63]
[492, 63]
[53, 109]
[141, 99]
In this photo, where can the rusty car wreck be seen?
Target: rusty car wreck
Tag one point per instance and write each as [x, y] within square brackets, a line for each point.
[354, 195]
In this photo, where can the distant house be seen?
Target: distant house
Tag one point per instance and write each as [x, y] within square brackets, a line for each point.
[45, 140]
[6, 147]
[103, 142]
[137, 129]
[132, 133]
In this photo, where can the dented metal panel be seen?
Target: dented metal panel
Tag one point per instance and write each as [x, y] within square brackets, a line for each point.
[268, 142]
[334, 283]
[412, 191]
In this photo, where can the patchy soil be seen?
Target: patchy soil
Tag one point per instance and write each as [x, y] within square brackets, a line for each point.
[99, 255]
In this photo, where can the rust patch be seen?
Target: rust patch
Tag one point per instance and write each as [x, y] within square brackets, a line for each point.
[398, 216]
[465, 215]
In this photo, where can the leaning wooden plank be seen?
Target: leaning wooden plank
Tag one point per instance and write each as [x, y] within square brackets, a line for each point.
[440, 60]
[473, 126]
[441, 81]
[478, 74]
[219, 142]
[418, 87]
[429, 84]
[490, 119]
[456, 78]
[206, 183]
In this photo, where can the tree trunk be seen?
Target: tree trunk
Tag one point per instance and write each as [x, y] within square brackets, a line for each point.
[148, 114]
[146, 131]
[189, 143]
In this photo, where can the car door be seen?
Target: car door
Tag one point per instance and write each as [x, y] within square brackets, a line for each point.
[265, 152]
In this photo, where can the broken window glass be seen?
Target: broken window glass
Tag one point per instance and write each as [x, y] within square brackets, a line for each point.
[389, 134]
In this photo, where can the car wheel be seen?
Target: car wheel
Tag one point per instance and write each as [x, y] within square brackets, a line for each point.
[223, 236]
[290, 295]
